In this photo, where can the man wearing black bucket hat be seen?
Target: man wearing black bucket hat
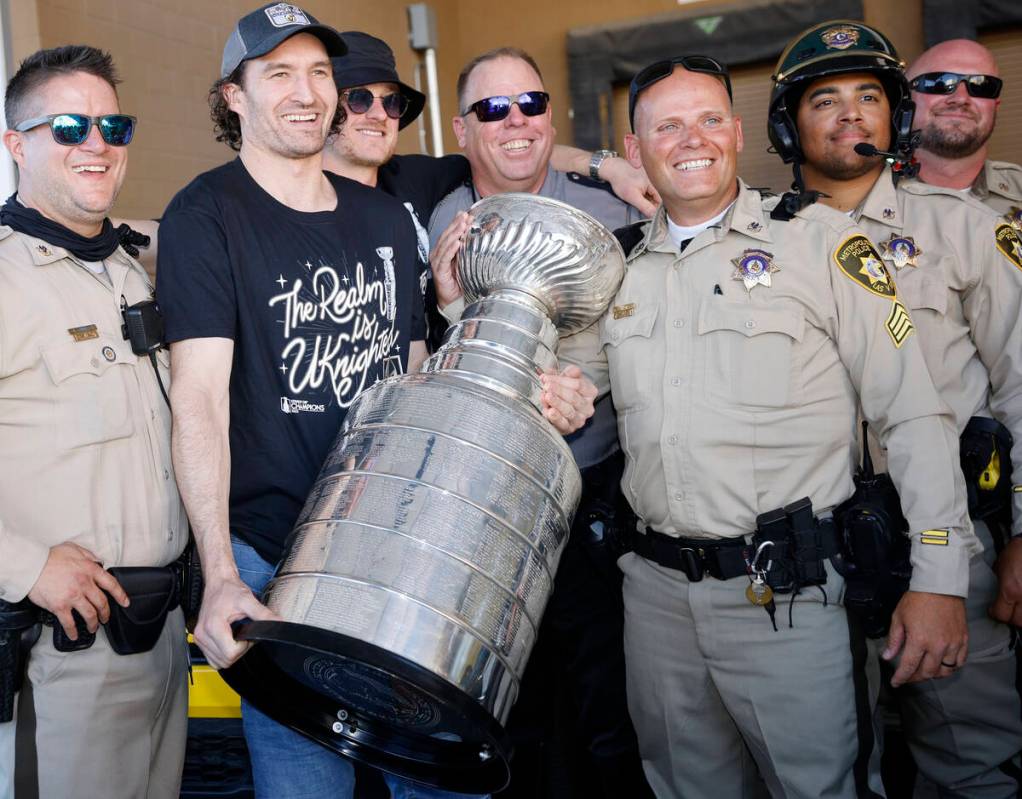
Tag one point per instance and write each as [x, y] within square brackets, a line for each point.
[378, 105]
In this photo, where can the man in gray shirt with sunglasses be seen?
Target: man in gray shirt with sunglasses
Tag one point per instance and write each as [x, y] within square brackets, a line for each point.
[505, 130]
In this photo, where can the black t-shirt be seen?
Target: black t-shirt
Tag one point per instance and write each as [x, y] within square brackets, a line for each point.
[319, 305]
[421, 182]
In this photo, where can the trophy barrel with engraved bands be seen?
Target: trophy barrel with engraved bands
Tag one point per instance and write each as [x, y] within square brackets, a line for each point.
[414, 582]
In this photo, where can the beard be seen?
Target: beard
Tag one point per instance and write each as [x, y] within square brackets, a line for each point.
[952, 141]
[846, 166]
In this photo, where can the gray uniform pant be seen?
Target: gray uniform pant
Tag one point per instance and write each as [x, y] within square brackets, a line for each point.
[98, 724]
[715, 692]
[965, 731]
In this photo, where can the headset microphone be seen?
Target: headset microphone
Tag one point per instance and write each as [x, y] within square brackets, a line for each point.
[904, 166]
[868, 150]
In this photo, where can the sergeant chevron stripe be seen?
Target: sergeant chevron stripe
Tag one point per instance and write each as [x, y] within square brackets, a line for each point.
[899, 324]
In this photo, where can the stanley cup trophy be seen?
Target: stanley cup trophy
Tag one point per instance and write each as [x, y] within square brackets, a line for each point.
[414, 581]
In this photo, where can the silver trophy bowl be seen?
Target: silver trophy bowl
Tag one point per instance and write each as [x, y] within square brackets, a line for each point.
[414, 582]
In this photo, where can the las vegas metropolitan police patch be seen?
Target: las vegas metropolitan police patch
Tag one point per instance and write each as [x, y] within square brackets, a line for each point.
[859, 260]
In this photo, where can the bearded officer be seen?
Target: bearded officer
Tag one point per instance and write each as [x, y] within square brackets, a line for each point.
[958, 269]
[956, 87]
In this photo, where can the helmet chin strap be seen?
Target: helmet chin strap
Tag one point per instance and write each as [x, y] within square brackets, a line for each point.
[798, 185]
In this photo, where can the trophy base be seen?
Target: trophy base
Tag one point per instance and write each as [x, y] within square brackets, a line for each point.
[371, 705]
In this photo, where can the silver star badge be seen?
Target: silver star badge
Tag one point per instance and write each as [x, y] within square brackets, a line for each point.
[901, 251]
[754, 267]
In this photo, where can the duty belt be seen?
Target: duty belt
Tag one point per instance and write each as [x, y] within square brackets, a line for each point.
[722, 559]
[788, 549]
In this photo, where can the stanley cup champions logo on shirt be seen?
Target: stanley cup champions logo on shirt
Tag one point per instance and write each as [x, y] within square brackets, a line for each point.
[339, 330]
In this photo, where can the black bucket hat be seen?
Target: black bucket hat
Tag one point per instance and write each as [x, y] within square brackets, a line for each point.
[370, 60]
[260, 31]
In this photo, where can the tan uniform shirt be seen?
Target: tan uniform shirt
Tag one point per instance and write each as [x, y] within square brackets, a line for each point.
[84, 430]
[732, 402]
[999, 186]
[964, 291]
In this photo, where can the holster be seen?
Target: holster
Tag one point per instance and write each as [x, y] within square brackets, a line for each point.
[189, 574]
[874, 557]
[154, 591]
[604, 523]
[985, 453]
[19, 630]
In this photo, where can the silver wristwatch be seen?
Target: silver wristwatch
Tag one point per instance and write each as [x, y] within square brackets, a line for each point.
[596, 161]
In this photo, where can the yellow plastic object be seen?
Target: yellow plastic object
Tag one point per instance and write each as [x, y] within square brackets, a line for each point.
[209, 697]
[992, 474]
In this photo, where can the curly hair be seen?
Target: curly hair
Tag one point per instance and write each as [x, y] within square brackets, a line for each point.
[227, 125]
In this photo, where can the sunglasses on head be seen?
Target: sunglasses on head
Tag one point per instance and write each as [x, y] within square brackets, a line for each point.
[662, 69]
[359, 101]
[986, 86]
[73, 129]
[494, 109]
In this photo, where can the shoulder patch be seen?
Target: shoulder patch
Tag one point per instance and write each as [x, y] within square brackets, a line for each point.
[858, 259]
[1008, 242]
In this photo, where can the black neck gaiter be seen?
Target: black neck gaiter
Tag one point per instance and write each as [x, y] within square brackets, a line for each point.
[32, 223]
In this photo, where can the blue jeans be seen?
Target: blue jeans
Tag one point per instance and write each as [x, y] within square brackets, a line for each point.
[286, 764]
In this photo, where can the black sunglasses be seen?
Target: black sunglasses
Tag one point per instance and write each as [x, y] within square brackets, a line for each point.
[73, 129]
[359, 101]
[662, 69]
[494, 109]
[986, 86]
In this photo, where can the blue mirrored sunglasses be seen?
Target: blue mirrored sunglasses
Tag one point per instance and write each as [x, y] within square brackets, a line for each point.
[73, 129]
[494, 109]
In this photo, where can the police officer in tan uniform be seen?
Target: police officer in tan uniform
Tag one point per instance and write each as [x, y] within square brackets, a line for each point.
[736, 352]
[957, 266]
[86, 481]
[956, 87]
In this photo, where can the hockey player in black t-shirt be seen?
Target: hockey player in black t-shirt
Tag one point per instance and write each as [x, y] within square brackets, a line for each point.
[286, 291]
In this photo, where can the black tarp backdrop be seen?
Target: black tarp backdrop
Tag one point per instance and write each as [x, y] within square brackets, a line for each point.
[600, 56]
[964, 19]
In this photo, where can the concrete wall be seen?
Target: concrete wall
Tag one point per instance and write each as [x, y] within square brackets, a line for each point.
[169, 52]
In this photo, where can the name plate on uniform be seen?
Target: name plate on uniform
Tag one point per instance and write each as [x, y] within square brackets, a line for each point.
[83, 333]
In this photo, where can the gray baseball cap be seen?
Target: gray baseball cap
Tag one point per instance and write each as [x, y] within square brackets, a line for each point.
[258, 32]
